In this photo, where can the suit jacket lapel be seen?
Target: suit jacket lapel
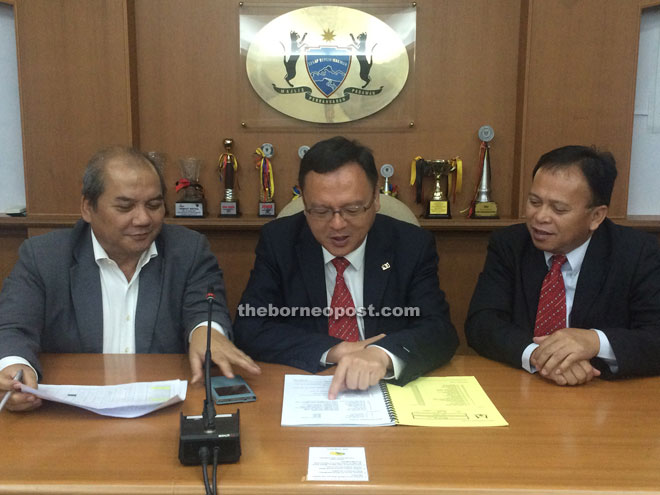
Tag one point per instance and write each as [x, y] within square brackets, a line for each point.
[378, 260]
[149, 296]
[312, 268]
[86, 293]
[592, 276]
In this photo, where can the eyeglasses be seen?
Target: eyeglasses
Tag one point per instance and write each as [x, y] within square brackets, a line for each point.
[346, 212]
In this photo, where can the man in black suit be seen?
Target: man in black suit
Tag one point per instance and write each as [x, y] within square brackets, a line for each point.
[610, 307]
[391, 267]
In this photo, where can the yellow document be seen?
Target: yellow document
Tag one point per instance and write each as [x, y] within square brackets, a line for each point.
[443, 401]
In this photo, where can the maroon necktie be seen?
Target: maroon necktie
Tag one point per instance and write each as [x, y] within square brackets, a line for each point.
[551, 313]
[342, 326]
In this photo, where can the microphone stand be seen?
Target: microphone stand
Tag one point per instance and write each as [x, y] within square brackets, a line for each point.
[208, 415]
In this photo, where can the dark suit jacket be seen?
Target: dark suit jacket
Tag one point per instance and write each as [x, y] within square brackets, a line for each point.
[289, 272]
[618, 292]
[51, 301]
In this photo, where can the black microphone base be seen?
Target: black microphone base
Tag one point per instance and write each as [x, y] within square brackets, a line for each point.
[226, 436]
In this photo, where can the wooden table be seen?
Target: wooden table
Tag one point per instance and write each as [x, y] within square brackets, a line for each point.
[600, 438]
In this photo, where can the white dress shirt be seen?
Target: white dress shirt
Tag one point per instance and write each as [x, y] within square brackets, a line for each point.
[570, 272]
[354, 278]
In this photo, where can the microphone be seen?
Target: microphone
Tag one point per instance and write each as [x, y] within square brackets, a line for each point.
[209, 407]
[210, 432]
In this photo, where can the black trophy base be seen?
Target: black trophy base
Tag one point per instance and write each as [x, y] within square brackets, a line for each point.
[186, 209]
[266, 209]
[229, 209]
[487, 209]
[438, 209]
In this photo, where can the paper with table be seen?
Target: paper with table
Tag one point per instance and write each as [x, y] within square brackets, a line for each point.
[427, 401]
[128, 400]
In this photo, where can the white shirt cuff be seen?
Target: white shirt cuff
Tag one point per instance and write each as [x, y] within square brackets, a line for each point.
[215, 326]
[397, 363]
[606, 353]
[9, 360]
[527, 353]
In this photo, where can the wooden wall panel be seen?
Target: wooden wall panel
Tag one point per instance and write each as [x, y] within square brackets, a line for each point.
[580, 82]
[191, 83]
[10, 241]
[75, 93]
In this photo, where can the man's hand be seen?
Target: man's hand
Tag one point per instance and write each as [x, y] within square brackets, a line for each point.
[566, 353]
[359, 369]
[344, 348]
[578, 374]
[223, 351]
[18, 400]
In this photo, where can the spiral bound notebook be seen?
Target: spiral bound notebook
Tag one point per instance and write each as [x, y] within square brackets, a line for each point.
[427, 401]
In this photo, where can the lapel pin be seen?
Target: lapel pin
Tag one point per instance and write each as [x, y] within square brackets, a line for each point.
[385, 266]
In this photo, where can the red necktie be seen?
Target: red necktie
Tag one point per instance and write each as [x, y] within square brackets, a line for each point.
[551, 313]
[341, 325]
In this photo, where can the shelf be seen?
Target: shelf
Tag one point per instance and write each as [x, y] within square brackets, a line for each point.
[649, 223]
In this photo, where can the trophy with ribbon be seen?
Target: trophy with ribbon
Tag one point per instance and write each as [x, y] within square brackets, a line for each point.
[482, 205]
[265, 167]
[388, 188]
[190, 194]
[227, 168]
[446, 173]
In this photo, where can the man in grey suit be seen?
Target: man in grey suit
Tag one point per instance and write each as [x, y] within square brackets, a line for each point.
[118, 282]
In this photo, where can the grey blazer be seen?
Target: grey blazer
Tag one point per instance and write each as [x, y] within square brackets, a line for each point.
[51, 301]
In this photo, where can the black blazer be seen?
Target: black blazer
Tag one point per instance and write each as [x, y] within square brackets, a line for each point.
[289, 272]
[618, 292]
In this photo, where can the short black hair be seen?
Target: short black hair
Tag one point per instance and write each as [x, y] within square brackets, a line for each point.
[598, 168]
[94, 177]
[331, 154]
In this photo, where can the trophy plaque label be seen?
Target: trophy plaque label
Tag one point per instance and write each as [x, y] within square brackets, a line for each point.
[229, 208]
[189, 210]
[266, 209]
[485, 210]
[438, 209]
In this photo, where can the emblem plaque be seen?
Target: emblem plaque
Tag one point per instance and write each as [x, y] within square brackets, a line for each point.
[327, 64]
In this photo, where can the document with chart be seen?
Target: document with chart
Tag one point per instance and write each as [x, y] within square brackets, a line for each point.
[443, 401]
[427, 401]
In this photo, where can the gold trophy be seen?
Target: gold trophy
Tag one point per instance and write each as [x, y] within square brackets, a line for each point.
[191, 202]
[439, 203]
[265, 167]
[228, 166]
[483, 206]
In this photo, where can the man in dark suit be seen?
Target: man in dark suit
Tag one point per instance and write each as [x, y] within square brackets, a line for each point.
[605, 291]
[118, 282]
[337, 258]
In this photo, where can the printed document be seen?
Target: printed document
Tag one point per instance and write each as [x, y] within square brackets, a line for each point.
[426, 401]
[129, 400]
[306, 403]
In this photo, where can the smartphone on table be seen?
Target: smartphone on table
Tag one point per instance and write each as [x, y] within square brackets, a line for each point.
[231, 390]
